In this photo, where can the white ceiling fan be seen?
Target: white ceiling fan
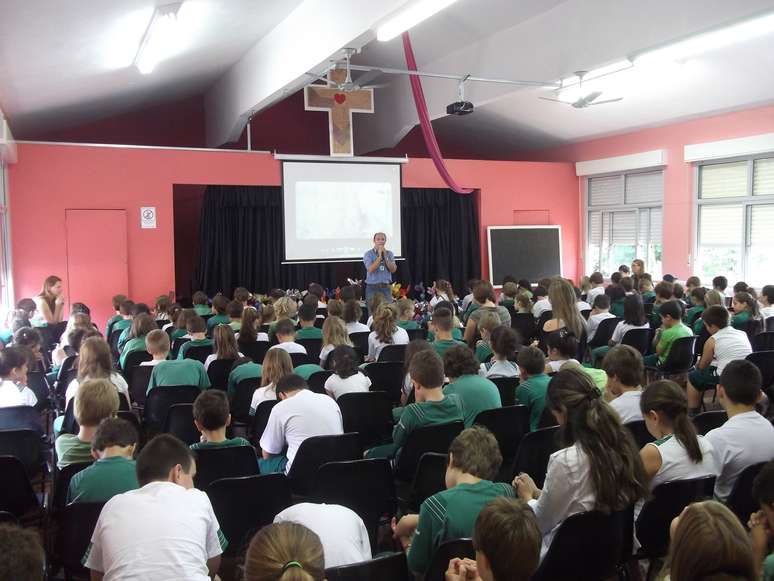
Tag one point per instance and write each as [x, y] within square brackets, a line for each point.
[585, 99]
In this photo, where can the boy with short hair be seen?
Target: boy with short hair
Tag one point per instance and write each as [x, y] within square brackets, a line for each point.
[200, 304]
[307, 315]
[597, 287]
[126, 311]
[441, 325]
[670, 330]
[508, 296]
[542, 304]
[113, 471]
[720, 284]
[477, 393]
[157, 344]
[487, 323]
[747, 437]
[285, 331]
[197, 329]
[164, 530]
[766, 300]
[599, 312]
[234, 311]
[698, 306]
[212, 416]
[116, 301]
[724, 345]
[219, 317]
[624, 368]
[664, 292]
[646, 290]
[533, 384]
[179, 372]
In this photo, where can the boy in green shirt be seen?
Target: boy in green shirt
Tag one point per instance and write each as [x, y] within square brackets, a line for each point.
[474, 461]
[432, 405]
[441, 326]
[486, 324]
[141, 326]
[137, 310]
[179, 372]
[219, 304]
[510, 290]
[664, 292]
[212, 416]
[697, 300]
[197, 329]
[406, 315]
[477, 393]
[533, 383]
[114, 470]
[200, 304]
[307, 315]
[116, 300]
[126, 311]
[234, 311]
[672, 328]
[243, 368]
[646, 290]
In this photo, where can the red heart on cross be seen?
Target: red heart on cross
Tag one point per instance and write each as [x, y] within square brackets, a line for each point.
[339, 98]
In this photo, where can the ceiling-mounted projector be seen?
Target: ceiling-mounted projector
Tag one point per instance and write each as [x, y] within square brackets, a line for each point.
[459, 108]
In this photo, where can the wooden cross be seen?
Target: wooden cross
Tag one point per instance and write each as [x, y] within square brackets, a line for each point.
[340, 105]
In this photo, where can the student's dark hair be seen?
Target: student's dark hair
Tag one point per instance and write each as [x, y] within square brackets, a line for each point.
[532, 360]
[142, 324]
[763, 485]
[211, 409]
[673, 308]
[414, 347]
[540, 291]
[741, 381]
[291, 382]
[508, 278]
[601, 301]
[248, 329]
[352, 311]
[284, 327]
[350, 293]
[624, 269]
[564, 342]
[277, 293]
[241, 361]
[625, 363]
[525, 284]
[307, 312]
[616, 277]
[596, 278]
[23, 555]
[617, 471]
[140, 308]
[234, 309]
[442, 319]
[664, 290]
[316, 289]
[219, 303]
[634, 311]
[627, 284]
[11, 358]
[741, 287]
[113, 432]
[749, 301]
[310, 300]
[668, 278]
[117, 300]
[699, 293]
[195, 324]
[460, 360]
[668, 399]
[78, 336]
[505, 342]
[161, 455]
[345, 361]
[716, 315]
[426, 369]
[199, 298]
[475, 451]
[27, 336]
[510, 290]
[678, 291]
[29, 307]
[615, 292]
[768, 292]
[80, 308]
[126, 308]
[694, 281]
[446, 305]
[241, 294]
[484, 291]
[720, 282]
[507, 532]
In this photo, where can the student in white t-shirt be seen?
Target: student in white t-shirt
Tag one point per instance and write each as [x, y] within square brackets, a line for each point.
[597, 287]
[164, 530]
[542, 304]
[285, 332]
[747, 437]
[624, 368]
[13, 373]
[225, 345]
[299, 415]
[385, 332]
[342, 532]
[347, 376]
[599, 312]
[276, 365]
[95, 362]
[562, 347]
[352, 314]
[766, 300]
[504, 344]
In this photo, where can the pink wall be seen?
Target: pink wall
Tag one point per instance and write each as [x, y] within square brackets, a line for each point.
[678, 175]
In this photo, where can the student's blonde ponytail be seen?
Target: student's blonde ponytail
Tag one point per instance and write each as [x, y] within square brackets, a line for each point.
[286, 552]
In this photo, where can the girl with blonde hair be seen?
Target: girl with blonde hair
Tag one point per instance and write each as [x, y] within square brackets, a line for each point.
[561, 295]
[95, 362]
[276, 365]
[225, 346]
[285, 551]
[385, 331]
[334, 334]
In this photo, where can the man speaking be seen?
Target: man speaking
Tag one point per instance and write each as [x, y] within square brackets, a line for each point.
[380, 264]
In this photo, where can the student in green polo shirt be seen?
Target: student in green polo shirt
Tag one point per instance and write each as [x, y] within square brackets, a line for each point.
[441, 326]
[243, 368]
[533, 383]
[219, 304]
[664, 292]
[200, 304]
[745, 308]
[307, 315]
[234, 311]
[126, 311]
[197, 329]
[474, 461]
[646, 290]
[141, 326]
[212, 416]
[117, 300]
[697, 300]
[114, 470]
[137, 310]
[477, 393]
[672, 328]
[406, 315]
[486, 324]
[179, 372]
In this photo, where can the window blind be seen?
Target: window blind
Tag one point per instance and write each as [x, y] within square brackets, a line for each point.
[721, 225]
[723, 180]
[624, 228]
[606, 191]
[643, 188]
[761, 225]
[763, 177]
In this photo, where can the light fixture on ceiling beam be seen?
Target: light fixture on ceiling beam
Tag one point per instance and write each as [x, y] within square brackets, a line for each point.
[160, 38]
[411, 16]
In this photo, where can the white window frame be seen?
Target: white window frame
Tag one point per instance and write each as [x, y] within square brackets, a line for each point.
[6, 291]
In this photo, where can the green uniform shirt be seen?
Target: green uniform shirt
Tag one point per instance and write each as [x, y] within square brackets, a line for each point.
[740, 320]
[230, 443]
[694, 314]
[655, 318]
[450, 514]
[648, 297]
[669, 336]
[441, 346]
[598, 376]
[478, 394]
[179, 372]
[176, 334]
[307, 369]
[617, 308]
[110, 322]
[408, 325]
[70, 450]
[768, 568]
[308, 333]
[202, 310]
[698, 325]
[236, 326]
[244, 371]
[215, 320]
[507, 303]
[103, 480]
[532, 393]
[134, 344]
[456, 335]
[483, 351]
[193, 343]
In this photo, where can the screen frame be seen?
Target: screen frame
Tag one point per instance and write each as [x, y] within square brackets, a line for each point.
[489, 229]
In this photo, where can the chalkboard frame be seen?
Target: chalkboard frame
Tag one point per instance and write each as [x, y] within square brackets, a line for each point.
[489, 230]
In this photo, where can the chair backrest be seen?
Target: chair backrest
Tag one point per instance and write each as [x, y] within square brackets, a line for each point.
[160, 399]
[369, 414]
[139, 378]
[507, 388]
[133, 359]
[604, 332]
[20, 417]
[176, 344]
[586, 313]
[701, 339]
[313, 347]
[115, 335]
[243, 397]
[429, 478]
[360, 342]
[639, 432]
[707, 421]
[316, 381]
[218, 372]
[392, 353]
[681, 356]
[741, 500]
[509, 424]
[768, 324]
[16, 494]
[763, 341]
[179, 422]
[533, 453]
[26, 446]
[69, 424]
[226, 462]
[637, 338]
[415, 334]
[385, 567]
[319, 450]
[432, 438]
[386, 376]
[447, 551]
[37, 382]
[300, 359]
[255, 350]
[753, 328]
[764, 361]
[524, 325]
[246, 503]
[260, 419]
[668, 500]
[198, 352]
[67, 372]
[73, 535]
[62, 479]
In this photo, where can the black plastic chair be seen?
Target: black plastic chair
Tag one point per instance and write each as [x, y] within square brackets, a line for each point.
[69, 424]
[176, 344]
[199, 353]
[604, 333]
[639, 339]
[763, 341]
[139, 378]
[21, 417]
[392, 353]
[533, 454]
[369, 414]
[741, 500]
[179, 422]
[509, 425]
[524, 325]
[680, 359]
[386, 376]
[115, 335]
[507, 388]
[447, 551]
[160, 399]
[360, 342]
[365, 486]
[319, 450]
[544, 317]
[225, 462]
[16, 494]
[640, 433]
[429, 478]
[764, 361]
[259, 421]
[245, 504]
[73, 535]
[218, 372]
[255, 350]
[707, 421]
[243, 397]
[389, 567]
[417, 334]
[432, 438]
[313, 347]
[768, 324]
[586, 313]
[38, 384]
[300, 359]
[26, 446]
[61, 484]
[701, 339]
[133, 359]
[753, 328]
[316, 381]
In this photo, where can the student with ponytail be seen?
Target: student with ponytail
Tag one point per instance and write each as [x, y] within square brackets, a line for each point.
[678, 453]
[597, 469]
[285, 551]
[385, 332]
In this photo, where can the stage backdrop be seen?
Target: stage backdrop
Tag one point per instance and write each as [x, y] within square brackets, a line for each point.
[241, 242]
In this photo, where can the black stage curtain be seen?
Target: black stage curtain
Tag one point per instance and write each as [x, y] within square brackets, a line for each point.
[241, 242]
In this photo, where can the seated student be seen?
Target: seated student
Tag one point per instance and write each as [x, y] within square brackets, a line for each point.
[467, 300]
[678, 453]
[664, 291]
[162, 308]
[633, 318]
[181, 537]
[180, 323]
[95, 362]
[352, 316]
[13, 373]
[525, 287]
[374, 304]
[747, 437]
[646, 290]
[335, 308]
[347, 376]
[343, 534]
[542, 303]
[533, 384]
[761, 523]
[276, 365]
[486, 324]
[432, 405]
[581, 304]
[507, 540]
[174, 311]
[627, 284]
[441, 326]
[243, 296]
[212, 415]
[505, 343]
[711, 298]
[456, 325]
[116, 301]
[766, 301]
[334, 333]
[745, 308]
[234, 310]
[484, 297]
[249, 327]
[307, 315]
[617, 295]
[698, 306]
[243, 368]
[197, 330]
[597, 287]
[443, 292]
[31, 339]
[285, 331]
[113, 471]
[96, 400]
[406, 314]
[412, 349]
[285, 308]
[724, 345]
[474, 461]
[157, 344]
[678, 292]
[720, 284]
[599, 469]
[624, 368]
[562, 346]
[179, 372]
[671, 329]
[523, 304]
[742, 287]
[141, 325]
[692, 282]
[201, 304]
[219, 316]
[225, 345]
[599, 312]
[385, 332]
[477, 393]
[126, 310]
[23, 556]
[508, 294]
[300, 414]
[138, 309]
[285, 550]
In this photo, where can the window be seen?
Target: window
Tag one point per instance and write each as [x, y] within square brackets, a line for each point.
[6, 288]
[736, 220]
[624, 221]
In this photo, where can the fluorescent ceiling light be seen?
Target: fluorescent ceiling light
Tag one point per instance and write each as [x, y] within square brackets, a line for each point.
[711, 40]
[160, 39]
[414, 14]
